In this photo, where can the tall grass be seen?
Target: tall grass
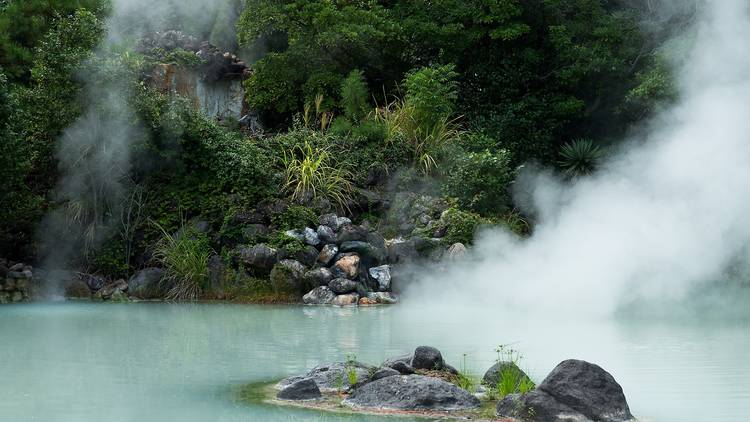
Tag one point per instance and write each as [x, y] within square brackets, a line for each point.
[512, 379]
[310, 174]
[184, 256]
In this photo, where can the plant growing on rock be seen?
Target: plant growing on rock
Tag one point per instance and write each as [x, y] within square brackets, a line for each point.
[351, 369]
[310, 174]
[511, 380]
[184, 256]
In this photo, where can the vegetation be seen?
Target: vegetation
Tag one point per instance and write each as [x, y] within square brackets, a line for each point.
[512, 380]
[184, 256]
[580, 157]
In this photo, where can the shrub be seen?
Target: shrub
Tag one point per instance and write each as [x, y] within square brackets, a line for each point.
[432, 92]
[295, 217]
[461, 226]
[580, 157]
[341, 127]
[354, 96]
[311, 174]
[479, 181]
[370, 131]
[184, 256]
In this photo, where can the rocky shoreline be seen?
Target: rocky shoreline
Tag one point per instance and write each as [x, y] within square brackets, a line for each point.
[422, 383]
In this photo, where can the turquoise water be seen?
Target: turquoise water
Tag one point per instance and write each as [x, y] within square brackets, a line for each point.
[163, 362]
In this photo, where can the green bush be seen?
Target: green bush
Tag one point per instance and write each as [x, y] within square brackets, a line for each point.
[370, 131]
[580, 157]
[354, 96]
[295, 217]
[479, 181]
[184, 256]
[341, 127]
[432, 92]
[462, 226]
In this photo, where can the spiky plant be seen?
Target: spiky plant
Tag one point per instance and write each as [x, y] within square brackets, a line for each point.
[580, 157]
[184, 256]
[310, 174]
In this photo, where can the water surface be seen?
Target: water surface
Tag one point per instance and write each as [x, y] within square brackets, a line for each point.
[161, 362]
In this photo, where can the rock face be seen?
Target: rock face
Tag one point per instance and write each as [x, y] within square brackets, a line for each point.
[574, 389]
[304, 389]
[412, 392]
[319, 296]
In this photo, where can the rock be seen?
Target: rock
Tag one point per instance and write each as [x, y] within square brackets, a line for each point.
[402, 367]
[384, 373]
[304, 389]
[254, 231]
[4, 298]
[383, 298]
[336, 376]
[16, 297]
[10, 284]
[403, 358]
[366, 301]
[326, 234]
[145, 284]
[287, 277]
[401, 251]
[94, 282]
[119, 296]
[296, 234]
[456, 252]
[318, 277]
[411, 392]
[589, 389]
[327, 254]
[342, 286]
[307, 256]
[77, 289]
[346, 267]
[574, 390]
[382, 275]
[364, 249]
[321, 295]
[107, 291]
[333, 221]
[260, 256]
[427, 357]
[350, 299]
[311, 237]
[351, 233]
[16, 267]
[494, 375]
[216, 272]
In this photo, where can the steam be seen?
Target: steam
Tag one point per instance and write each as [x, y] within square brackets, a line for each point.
[95, 153]
[665, 214]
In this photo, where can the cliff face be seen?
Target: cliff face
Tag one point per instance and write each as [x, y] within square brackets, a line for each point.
[210, 78]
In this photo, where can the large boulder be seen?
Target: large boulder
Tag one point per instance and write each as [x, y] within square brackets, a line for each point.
[288, 277]
[427, 357]
[327, 255]
[574, 389]
[307, 255]
[259, 256]
[145, 284]
[335, 376]
[495, 374]
[382, 275]
[351, 233]
[311, 237]
[351, 299]
[333, 221]
[384, 373]
[321, 295]
[326, 234]
[304, 389]
[412, 392]
[346, 267]
[318, 277]
[342, 286]
[364, 249]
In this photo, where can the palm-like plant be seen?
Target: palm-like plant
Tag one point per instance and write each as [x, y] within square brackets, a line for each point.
[310, 175]
[580, 157]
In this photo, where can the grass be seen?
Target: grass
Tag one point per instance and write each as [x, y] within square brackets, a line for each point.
[463, 379]
[310, 175]
[512, 379]
[351, 369]
[184, 256]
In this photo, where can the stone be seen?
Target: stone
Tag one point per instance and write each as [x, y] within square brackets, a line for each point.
[402, 368]
[588, 389]
[574, 391]
[77, 289]
[119, 296]
[287, 277]
[307, 255]
[295, 234]
[364, 249]
[342, 286]
[216, 272]
[94, 282]
[351, 233]
[383, 298]
[16, 267]
[346, 267]
[145, 284]
[402, 251]
[254, 231]
[350, 299]
[494, 375]
[427, 357]
[384, 373]
[326, 234]
[16, 297]
[333, 221]
[108, 290]
[382, 275]
[318, 277]
[365, 301]
[260, 256]
[311, 237]
[412, 392]
[320, 295]
[335, 376]
[327, 254]
[456, 252]
[304, 389]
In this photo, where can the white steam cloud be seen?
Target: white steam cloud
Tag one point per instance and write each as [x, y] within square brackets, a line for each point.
[668, 212]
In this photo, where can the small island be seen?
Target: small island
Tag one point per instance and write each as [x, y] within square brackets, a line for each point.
[423, 384]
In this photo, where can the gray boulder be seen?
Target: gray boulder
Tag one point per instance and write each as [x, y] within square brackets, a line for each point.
[333, 221]
[575, 390]
[427, 357]
[384, 373]
[259, 256]
[295, 234]
[303, 389]
[327, 254]
[494, 375]
[383, 298]
[351, 299]
[253, 231]
[288, 277]
[342, 286]
[351, 233]
[308, 255]
[456, 251]
[364, 249]
[318, 277]
[382, 275]
[311, 237]
[144, 284]
[402, 251]
[402, 364]
[412, 392]
[335, 376]
[326, 234]
[321, 295]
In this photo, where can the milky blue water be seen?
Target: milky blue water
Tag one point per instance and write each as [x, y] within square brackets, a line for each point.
[163, 362]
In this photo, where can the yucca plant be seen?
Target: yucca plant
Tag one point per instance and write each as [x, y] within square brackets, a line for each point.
[184, 256]
[310, 175]
[580, 157]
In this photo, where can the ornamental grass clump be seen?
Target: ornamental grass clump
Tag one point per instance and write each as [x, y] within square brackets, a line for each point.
[184, 256]
[311, 174]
